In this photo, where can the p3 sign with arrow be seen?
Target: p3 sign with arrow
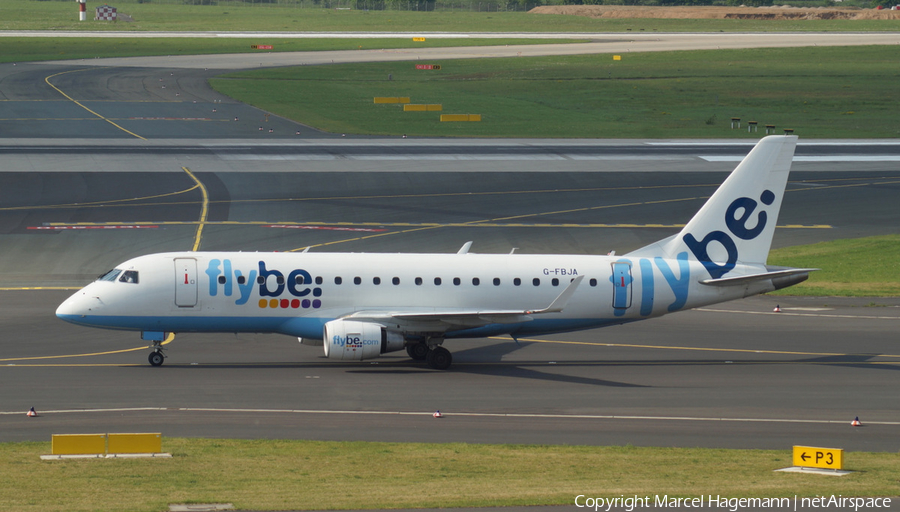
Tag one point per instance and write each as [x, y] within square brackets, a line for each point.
[810, 457]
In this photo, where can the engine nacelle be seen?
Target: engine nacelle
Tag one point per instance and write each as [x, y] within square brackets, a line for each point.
[355, 341]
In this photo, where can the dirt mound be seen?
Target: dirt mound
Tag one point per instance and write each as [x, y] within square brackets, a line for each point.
[741, 13]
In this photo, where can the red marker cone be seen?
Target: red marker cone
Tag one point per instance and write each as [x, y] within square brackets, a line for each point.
[856, 422]
[777, 309]
[437, 414]
[32, 413]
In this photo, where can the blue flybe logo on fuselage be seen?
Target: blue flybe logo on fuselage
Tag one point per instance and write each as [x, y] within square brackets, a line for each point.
[274, 288]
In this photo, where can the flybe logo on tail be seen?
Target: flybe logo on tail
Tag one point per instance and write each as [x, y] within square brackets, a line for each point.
[737, 225]
[271, 285]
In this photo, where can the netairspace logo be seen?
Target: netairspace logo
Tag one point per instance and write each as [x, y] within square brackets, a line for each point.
[712, 502]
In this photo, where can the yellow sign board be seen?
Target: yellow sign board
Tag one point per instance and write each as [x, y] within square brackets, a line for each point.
[810, 457]
[617, 57]
[78, 444]
[418, 39]
[391, 99]
[135, 443]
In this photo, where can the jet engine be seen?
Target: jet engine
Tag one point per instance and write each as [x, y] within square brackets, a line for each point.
[355, 341]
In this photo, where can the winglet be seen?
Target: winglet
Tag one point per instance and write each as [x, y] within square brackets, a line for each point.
[465, 248]
[560, 302]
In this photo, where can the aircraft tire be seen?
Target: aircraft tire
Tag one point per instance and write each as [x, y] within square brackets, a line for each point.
[156, 358]
[417, 351]
[439, 358]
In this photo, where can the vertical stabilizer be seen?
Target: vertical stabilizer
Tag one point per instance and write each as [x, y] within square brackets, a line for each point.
[737, 223]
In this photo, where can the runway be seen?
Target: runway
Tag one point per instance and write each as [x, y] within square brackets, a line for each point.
[736, 376]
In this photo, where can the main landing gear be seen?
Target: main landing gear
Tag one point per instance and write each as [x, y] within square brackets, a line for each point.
[436, 356]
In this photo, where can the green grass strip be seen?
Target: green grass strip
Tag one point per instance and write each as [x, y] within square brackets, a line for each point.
[844, 92]
[856, 267]
[163, 16]
[279, 475]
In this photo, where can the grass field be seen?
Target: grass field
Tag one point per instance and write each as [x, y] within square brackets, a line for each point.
[312, 475]
[150, 16]
[845, 92]
[857, 267]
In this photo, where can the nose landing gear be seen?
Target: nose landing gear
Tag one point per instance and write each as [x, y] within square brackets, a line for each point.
[156, 358]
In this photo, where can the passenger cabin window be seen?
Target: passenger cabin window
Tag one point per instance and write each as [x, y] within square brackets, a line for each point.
[418, 281]
[437, 281]
[536, 281]
[517, 281]
[376, 280]
[221, 279]
[555, 282]
[476, 281]
[456, 281]
[299, 279]
[241, 279]
[110, 276]
[338, 280]
[496, 281]
[395, 280]
[129, 276]
[318, 279]
[357, 280]
[593, 282]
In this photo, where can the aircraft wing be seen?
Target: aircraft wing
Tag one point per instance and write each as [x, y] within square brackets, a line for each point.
[471, 317]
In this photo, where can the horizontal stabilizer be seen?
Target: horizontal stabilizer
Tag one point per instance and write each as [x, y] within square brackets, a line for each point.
[786, 277]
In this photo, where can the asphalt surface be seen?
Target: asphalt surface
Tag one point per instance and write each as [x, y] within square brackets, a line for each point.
[736, 377]
[84, 212]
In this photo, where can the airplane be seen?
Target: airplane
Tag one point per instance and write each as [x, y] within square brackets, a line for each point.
[358, 306]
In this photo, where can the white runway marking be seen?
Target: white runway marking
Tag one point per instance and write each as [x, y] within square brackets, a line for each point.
[825, 158]
[783, 313]
[462, 414]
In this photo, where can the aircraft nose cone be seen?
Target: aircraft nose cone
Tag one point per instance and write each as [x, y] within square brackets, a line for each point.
[75, 307]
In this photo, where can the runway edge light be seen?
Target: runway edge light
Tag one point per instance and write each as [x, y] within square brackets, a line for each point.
[854, 423]
[33, 414]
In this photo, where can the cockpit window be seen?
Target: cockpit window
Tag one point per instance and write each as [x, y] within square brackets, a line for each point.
[129, 276]
[111, 275]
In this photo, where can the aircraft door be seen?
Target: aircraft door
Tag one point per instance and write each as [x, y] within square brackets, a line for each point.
[185, 282]
[621, 280]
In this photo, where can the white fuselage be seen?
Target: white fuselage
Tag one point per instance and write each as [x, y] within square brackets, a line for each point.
[259, 292]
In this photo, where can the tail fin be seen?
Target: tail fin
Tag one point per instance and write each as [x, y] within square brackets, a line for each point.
[737, 223]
